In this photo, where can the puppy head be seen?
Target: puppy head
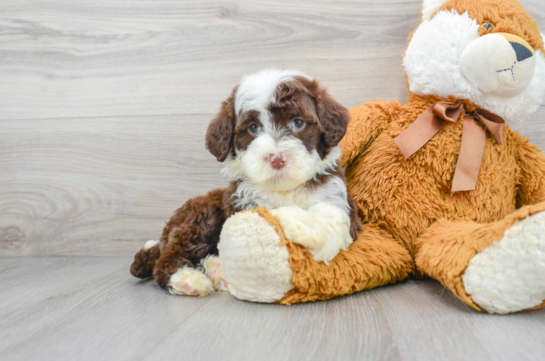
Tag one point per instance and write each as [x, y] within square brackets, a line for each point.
[278, 129]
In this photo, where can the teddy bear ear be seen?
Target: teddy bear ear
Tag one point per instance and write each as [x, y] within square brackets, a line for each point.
[430, 7]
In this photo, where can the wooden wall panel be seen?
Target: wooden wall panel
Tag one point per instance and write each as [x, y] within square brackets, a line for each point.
[104, 104]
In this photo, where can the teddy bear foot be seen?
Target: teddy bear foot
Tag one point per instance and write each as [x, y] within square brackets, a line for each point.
[508, 275]
[190, 282]
[211, 266]
[253, 260]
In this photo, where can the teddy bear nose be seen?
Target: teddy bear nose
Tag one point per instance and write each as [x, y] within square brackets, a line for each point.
[522, 48]
[278, 161]
[521, 51]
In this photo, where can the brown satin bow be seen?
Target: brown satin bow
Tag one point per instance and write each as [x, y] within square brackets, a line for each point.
[473, 138]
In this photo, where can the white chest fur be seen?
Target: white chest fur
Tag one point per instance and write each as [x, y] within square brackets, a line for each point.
[333, 191]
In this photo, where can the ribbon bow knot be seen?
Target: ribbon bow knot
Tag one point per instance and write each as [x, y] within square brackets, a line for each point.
[473, 138]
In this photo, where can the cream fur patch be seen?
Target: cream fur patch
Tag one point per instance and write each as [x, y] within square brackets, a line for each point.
[249, 245]
[150, 244]
[211, 266]
[509, 275]
[189, 282]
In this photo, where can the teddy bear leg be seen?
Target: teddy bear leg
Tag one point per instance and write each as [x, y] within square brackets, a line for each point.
[261, 265]
[373, 260]
[254, 262]
[496, 267]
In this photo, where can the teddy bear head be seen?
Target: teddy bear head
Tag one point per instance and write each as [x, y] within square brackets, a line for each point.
[488, 52]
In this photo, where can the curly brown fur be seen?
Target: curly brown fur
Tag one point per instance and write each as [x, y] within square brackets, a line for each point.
[144, 261]
[191, 234]
[194, 230]
[219, 136]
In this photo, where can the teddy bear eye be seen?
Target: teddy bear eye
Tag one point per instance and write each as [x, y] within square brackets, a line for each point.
[488, 26]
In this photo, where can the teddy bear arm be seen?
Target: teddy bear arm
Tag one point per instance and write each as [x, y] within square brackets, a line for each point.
[367, 122]
[531, 163]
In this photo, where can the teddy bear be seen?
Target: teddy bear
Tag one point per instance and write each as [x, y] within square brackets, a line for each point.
[443, 187]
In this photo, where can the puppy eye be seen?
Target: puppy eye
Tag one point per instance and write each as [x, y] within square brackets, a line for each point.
[254, 128]
[298, 123]
[488, 26]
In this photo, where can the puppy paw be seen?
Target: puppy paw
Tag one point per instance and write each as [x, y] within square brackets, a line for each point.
[325, 254]
[189, 282]
[324, 229]
[300, 226]
[303, 228]
[212, 268]
[336, 224]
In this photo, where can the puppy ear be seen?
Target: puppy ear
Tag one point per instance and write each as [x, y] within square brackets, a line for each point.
[333, 117]
[219, 136]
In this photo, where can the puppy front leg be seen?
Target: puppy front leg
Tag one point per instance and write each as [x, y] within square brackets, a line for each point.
[176, 269]
[336, 223]
[324, 229]
[191, 235]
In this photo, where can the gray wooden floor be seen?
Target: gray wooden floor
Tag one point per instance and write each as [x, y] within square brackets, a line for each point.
[103, 109]
[87, 308]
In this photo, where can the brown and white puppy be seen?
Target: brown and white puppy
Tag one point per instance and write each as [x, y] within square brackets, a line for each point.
[278, 135]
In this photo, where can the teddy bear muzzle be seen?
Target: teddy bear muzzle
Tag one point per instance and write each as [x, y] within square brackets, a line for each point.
[499, 64]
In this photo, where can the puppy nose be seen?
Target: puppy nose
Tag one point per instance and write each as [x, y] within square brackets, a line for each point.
[278, 161]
